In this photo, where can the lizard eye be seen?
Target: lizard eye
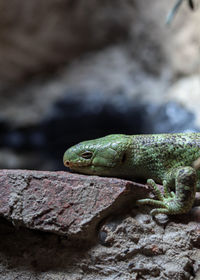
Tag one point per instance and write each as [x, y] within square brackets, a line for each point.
[87, 155]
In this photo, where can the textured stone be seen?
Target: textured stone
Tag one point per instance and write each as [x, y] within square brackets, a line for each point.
[62, 202]
[130, 245]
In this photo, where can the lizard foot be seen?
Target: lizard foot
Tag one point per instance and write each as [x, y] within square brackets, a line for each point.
[164, 202]
[181, 201]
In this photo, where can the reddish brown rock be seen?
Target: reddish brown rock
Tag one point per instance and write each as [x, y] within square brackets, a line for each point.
[62, 202]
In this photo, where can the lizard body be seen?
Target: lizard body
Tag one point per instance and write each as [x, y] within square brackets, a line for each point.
[162, 158]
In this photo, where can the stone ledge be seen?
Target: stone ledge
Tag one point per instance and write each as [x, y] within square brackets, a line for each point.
[63, 203]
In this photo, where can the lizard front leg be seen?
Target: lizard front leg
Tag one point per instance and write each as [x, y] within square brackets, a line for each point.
[185, 180]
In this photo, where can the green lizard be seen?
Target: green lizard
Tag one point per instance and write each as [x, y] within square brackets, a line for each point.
[168, 159]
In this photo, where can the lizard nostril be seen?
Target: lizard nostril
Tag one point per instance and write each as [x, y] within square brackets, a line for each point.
[67, 163]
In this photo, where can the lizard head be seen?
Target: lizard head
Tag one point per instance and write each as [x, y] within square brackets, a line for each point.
[103, 156]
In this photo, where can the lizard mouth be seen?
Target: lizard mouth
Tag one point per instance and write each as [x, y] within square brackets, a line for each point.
[73, 165]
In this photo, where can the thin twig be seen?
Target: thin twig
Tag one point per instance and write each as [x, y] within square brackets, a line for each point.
[191, 4]
[174, 10]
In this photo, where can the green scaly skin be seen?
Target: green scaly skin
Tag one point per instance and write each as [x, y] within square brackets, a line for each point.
[164, 158]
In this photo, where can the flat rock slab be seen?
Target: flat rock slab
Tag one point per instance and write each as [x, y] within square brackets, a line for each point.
[62, 202]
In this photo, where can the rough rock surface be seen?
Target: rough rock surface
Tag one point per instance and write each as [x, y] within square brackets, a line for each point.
[129, 245]
[62, 202]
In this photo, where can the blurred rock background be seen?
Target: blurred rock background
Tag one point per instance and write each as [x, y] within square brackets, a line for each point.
[76, 70]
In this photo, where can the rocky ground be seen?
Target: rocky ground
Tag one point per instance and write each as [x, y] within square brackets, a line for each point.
[95, 231]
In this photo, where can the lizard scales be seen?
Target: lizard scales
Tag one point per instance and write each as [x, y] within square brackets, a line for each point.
[161, 158]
